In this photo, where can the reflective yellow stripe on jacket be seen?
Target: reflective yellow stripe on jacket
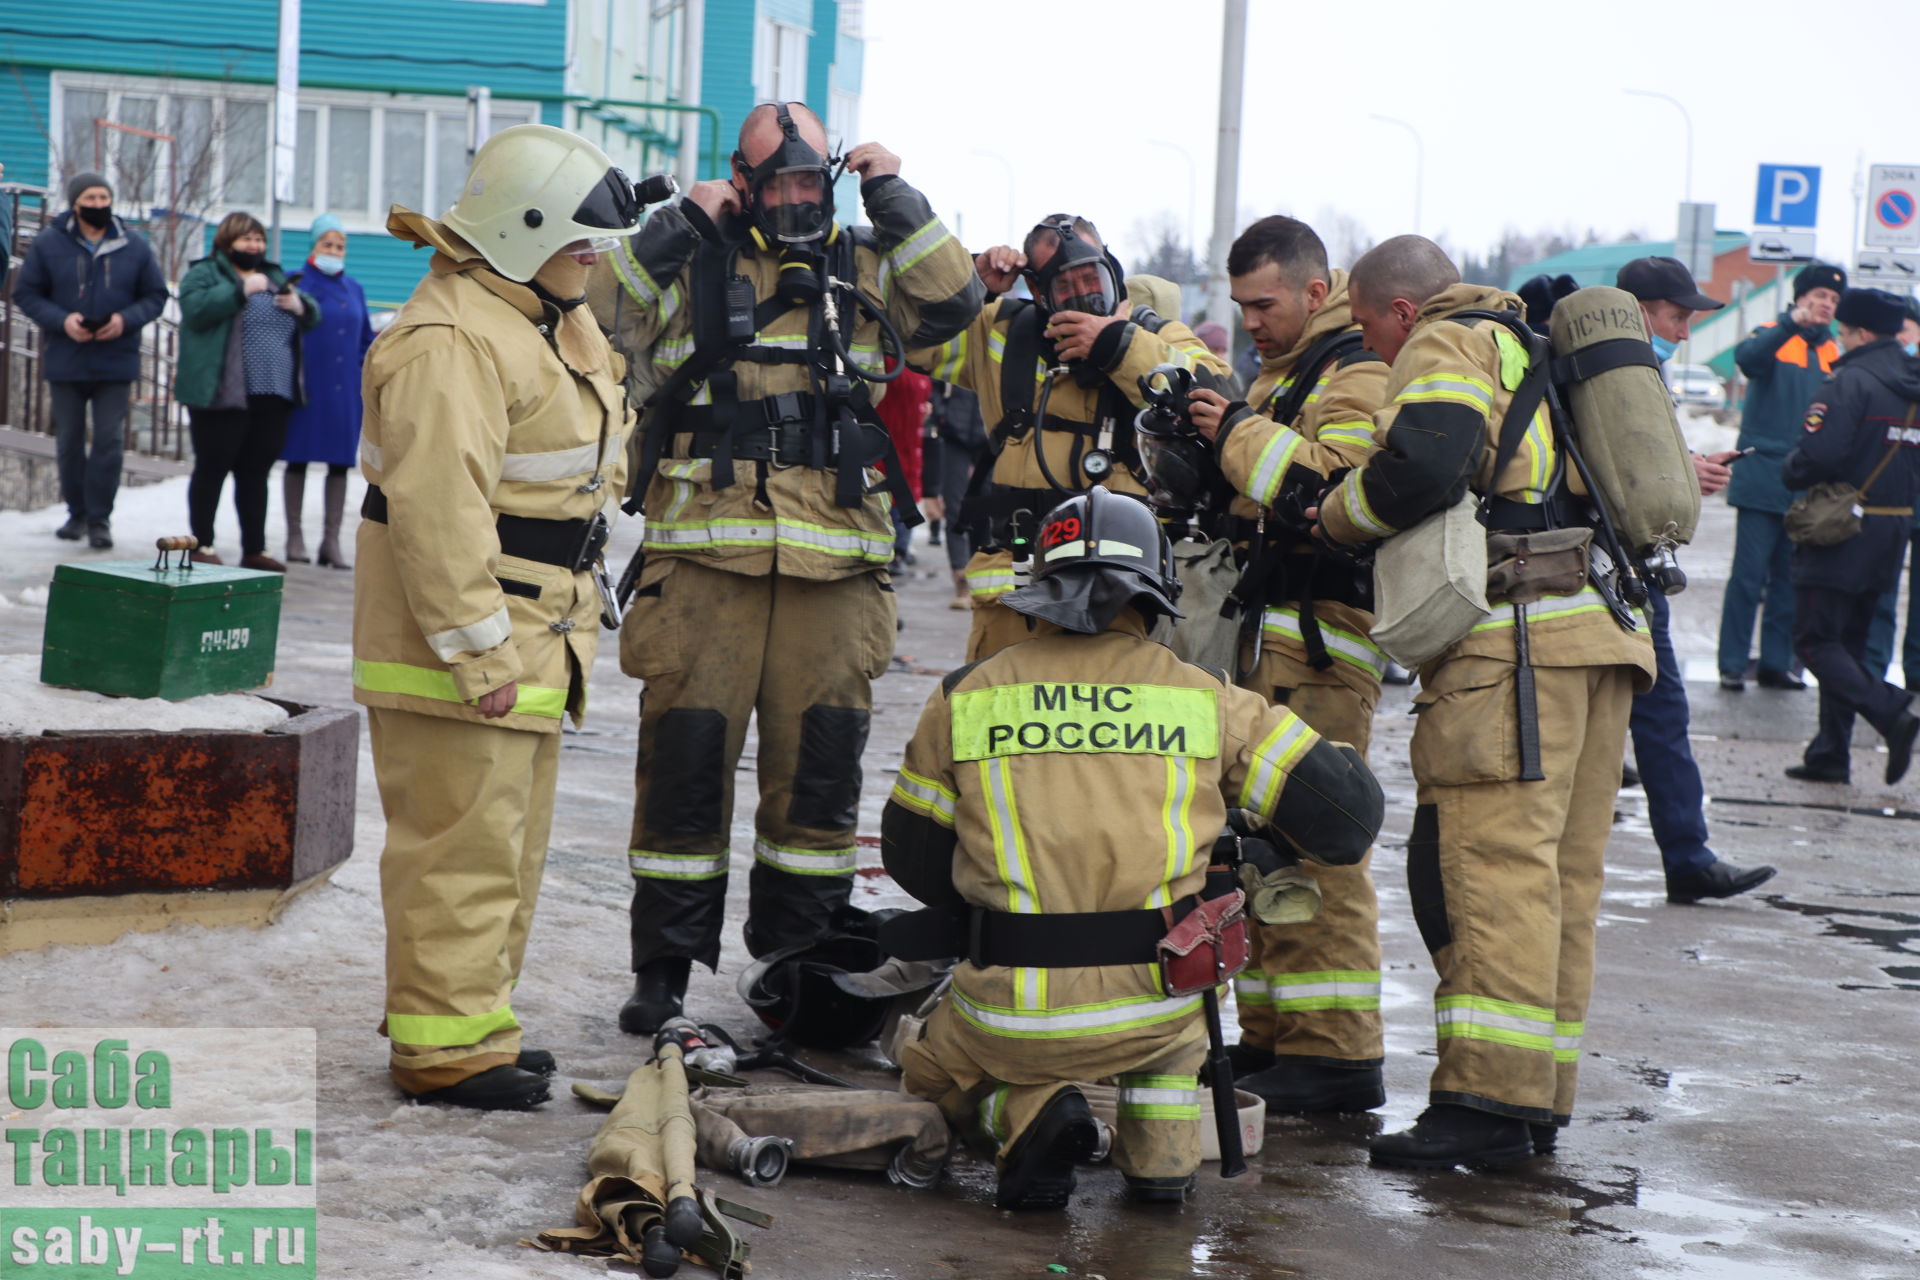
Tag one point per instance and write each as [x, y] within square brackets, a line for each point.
[425, 682]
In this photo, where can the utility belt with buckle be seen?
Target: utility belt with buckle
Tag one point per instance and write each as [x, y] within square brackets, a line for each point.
[1057, 940]
[572, 545]
[780, 433]
[1196, 942]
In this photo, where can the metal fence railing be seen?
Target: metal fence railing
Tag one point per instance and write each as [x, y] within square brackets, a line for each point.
[156, 425]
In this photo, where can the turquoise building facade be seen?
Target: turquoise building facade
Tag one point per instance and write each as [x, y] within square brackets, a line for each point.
[385, 110]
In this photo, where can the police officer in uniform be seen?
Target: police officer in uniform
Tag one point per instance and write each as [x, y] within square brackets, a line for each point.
[1058, 379]
[1863, 428]
[1309, 1004]
[1504, 873]
[494, 439]
[757, 326]
[1059, 906]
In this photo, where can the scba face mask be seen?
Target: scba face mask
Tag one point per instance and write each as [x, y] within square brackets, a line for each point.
[790, 193]
[1080, 276]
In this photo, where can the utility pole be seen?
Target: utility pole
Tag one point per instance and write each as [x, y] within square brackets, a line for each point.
[286, 121]
[1226, 163]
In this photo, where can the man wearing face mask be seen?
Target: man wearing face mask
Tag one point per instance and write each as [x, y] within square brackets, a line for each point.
[1058, 376]
[1676, 800]
[493, 443]
[761, 329]
[91, 285]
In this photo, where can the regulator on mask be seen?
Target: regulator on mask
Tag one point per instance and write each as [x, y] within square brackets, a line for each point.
[1176, 460]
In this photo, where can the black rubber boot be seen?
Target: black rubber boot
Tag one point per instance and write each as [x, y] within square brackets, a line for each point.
[1292, 1087]
[1545, 1137]
[1446, 1135]
[1158, 1190]
[1245, 1059]
[500, 1088]
[1039, 1171]
[659, 992]
[537, 1061]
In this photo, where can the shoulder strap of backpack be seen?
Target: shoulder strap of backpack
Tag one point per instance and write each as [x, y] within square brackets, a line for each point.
[1307, 371]
[1021, 353]
[1527, 397]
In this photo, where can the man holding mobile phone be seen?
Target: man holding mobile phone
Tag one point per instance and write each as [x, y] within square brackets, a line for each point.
[1676, 799]
[91, 284]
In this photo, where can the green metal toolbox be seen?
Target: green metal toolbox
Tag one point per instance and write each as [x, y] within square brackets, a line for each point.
[148, 630]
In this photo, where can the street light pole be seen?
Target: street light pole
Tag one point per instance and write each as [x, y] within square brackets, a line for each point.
[1226, 163]
[1193, 187]
[1684, 115]
[1419, 165]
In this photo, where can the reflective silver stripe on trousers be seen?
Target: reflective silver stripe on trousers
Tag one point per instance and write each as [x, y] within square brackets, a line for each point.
[677, 866]
[1541, 1027]
[370, 456]
[816, 861]
[476, 637]
[1160, 1097]
[1079, 1020]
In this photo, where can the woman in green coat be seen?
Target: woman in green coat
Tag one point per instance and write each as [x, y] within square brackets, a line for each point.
[239, 375]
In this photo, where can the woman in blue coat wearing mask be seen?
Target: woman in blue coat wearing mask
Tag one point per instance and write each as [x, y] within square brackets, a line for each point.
[327, 428]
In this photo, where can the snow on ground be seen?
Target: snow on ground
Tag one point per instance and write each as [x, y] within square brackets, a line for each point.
[32, 707]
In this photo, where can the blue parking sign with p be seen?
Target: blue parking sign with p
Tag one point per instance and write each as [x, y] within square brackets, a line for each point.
[1789, 196]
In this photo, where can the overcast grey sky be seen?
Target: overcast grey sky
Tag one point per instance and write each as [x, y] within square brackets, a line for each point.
[1520, 107]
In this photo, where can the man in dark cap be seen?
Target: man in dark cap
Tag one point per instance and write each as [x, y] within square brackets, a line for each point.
[1863, 429]
[1676, 800]
[1785, 361]
[91, 285]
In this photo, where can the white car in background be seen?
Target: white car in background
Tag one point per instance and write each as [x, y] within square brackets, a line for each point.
[1697, 384]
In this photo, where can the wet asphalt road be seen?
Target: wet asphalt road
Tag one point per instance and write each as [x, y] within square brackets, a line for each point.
[1748, 1093]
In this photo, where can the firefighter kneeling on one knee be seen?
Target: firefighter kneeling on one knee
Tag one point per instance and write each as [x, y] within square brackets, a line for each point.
[1057, 811]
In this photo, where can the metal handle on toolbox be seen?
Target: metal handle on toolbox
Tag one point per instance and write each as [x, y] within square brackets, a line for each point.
[181, 542]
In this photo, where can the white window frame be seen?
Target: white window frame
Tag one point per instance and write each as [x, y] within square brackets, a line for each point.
[769, 85]
[503, 112]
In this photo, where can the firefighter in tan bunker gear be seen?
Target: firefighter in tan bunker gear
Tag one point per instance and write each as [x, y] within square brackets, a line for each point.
[494, 439]
[1309, 1003]
[764, 591]
[1086, 335]
[1504, 874]
[1058, 906]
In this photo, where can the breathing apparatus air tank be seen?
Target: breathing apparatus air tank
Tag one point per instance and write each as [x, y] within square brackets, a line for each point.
[1624, 423]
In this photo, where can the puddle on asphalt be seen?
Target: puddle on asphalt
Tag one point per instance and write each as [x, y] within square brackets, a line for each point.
[1900, 936]
[1858, 810]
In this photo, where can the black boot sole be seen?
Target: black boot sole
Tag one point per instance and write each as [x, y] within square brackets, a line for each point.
[1496, 1158]
[1158, 1190]
[1039, 1174]
[495, 1089]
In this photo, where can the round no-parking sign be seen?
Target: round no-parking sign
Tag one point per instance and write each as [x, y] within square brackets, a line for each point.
[1895, 209]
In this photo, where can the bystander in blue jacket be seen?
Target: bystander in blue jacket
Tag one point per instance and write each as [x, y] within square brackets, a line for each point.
[327, 428]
